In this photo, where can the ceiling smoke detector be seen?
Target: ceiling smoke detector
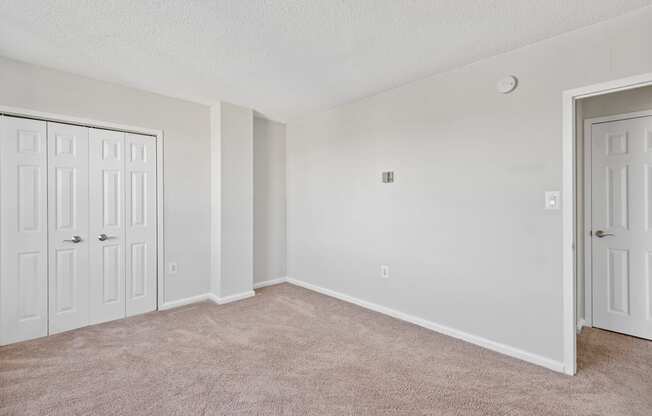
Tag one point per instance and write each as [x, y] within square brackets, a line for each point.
[507, 84]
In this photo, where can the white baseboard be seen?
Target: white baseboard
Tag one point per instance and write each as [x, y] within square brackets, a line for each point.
[186, 301]
[270, 282]
[204, 297]
[234, 298]
[213, 298]
[581, 323]
[455, 333]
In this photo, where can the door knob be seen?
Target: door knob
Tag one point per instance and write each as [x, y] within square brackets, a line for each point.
[103, 237]
[602, 234]
[75, 239]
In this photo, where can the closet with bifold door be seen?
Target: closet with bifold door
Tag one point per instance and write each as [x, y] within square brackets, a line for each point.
[77, 226]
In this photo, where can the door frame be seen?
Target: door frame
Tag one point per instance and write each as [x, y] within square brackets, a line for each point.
[158, 134]
[569, 206]
[588, 205]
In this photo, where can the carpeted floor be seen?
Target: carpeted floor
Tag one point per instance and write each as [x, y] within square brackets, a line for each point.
[289, 351]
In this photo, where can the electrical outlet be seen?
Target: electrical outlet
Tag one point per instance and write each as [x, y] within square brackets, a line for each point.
[172, 268]
[384, 271]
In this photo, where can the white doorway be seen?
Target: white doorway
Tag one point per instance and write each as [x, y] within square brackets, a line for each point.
[570, 239]
[618, 218]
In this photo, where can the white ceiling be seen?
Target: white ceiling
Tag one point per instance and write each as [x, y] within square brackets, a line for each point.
[281, 57]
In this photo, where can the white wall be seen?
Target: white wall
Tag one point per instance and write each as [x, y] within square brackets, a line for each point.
[237, 200]
[269, 200]
[630, 101]
[463, 228]
[186, 129]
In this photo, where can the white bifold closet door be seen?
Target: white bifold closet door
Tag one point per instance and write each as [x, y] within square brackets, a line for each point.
[103, 225]
[140, 236]
[23, 230]
[68, 211]
[106, 233]
[78, 227]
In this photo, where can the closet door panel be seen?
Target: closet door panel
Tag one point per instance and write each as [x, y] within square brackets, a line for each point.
[140, 236]
[68, 226]
[23, 219]
[107, 271]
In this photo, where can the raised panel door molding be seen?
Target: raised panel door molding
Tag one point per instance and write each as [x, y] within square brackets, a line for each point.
[29, 198]
[29, 285]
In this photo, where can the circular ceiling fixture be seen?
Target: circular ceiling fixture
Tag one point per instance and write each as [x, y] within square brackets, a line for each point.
[507, 84]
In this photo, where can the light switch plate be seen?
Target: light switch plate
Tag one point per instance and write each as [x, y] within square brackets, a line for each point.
[553, 200]
[384, 271]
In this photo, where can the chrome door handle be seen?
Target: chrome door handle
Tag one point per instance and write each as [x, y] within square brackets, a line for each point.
[75, 239]
[602, 234]
[103, 237]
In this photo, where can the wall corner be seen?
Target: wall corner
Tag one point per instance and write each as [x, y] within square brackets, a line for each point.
[216, 199]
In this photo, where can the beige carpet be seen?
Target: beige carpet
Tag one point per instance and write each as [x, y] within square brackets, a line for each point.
[289, 351]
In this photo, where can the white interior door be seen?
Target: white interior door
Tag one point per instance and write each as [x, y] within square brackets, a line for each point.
[106, 215]
[68, 225]
[621, 155]
[140, 155]
[23, 229]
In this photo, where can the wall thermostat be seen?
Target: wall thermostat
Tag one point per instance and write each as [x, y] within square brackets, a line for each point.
[507, 84]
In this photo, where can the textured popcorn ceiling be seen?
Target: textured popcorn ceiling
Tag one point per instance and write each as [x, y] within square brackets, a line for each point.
[281, 57]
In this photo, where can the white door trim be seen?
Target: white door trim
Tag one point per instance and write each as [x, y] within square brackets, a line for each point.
[588, 202]
[569, 98]
[160, 220]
